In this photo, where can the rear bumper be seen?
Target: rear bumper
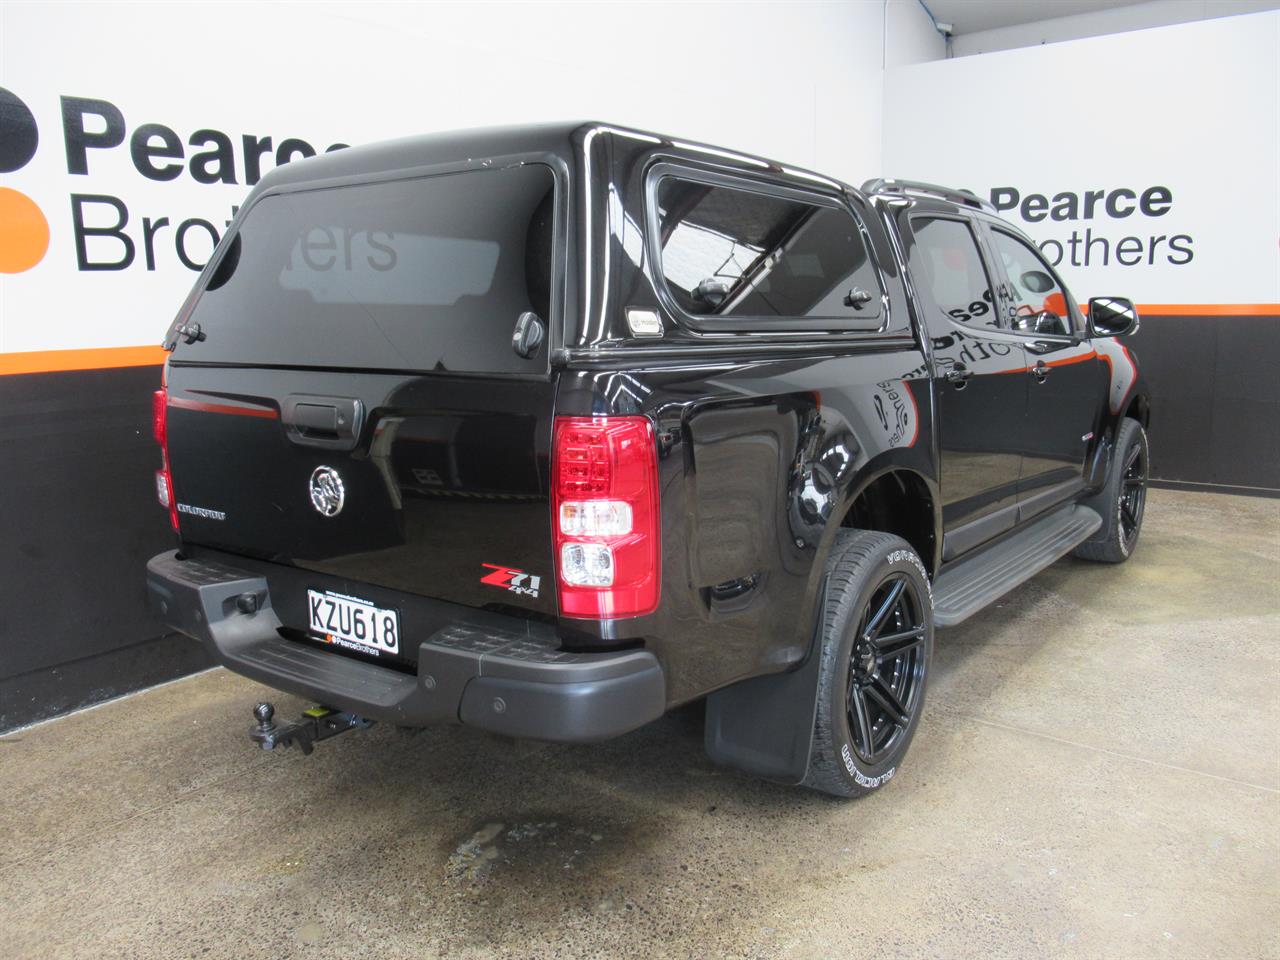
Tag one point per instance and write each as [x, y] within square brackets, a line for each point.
[499, 674]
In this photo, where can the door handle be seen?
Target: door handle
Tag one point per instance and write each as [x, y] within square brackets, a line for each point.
[959, 375]
[332, 423]
[1041, 371]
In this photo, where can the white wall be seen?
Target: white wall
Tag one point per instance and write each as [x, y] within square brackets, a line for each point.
[1098, 23]
[1194, 108]
[800, 82]
[910, 36]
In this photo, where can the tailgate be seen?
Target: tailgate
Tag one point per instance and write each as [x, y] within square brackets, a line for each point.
[355, 406]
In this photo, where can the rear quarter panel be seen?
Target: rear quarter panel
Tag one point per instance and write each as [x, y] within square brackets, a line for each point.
[764, 438]
[758, 462]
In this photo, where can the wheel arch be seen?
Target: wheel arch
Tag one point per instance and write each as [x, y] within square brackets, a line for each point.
[899, 500]
[1139, 409]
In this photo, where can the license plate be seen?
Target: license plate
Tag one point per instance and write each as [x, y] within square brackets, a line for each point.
[354, 623]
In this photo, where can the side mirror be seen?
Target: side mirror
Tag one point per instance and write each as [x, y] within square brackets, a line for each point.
[1112, 317]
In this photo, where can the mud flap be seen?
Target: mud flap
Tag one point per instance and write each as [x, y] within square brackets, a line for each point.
[764, 726]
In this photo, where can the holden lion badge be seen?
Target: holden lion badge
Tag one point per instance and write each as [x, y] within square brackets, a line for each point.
[327, 493]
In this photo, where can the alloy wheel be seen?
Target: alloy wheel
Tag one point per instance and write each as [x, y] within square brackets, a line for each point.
[1133, 493]
[886, 668]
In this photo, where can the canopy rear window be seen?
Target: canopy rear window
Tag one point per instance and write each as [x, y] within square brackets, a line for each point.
[428, 273]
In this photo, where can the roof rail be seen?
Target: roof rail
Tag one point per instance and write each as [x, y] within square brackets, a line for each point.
[966, 197]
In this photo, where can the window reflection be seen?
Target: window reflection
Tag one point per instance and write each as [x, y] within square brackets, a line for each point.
[736, 253]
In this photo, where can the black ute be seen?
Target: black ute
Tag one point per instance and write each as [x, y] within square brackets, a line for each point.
[549, 429]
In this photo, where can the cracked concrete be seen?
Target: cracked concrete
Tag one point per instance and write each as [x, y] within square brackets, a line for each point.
[1097, 775]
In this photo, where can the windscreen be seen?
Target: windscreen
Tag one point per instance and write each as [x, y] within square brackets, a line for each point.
[422, 274]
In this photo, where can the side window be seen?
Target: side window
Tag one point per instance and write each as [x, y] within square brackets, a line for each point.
[946, 260]
[1039, 302]
[728, 252]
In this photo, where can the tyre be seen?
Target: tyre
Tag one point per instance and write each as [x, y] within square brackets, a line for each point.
[1121, 500]
[875, 645]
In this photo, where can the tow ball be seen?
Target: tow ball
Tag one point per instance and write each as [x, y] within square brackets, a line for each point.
[318, 723]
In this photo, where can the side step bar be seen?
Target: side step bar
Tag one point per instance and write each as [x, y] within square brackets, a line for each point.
[975, 582]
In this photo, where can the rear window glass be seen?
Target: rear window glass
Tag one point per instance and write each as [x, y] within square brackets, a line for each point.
[429, 273]
[736, 253]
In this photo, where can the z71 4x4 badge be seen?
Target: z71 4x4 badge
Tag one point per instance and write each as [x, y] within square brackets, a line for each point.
[509, 578]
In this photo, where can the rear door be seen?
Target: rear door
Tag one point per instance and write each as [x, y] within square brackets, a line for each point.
[980, 382]
[352, 403]
[1066, 382]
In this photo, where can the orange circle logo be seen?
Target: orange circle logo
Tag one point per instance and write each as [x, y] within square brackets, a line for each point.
[24, 232]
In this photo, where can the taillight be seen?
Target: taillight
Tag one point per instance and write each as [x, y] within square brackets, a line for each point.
[604, 480]
[160, 431]
[160, 416]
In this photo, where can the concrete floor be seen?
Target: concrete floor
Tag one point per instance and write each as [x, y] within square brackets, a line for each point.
[1097, 775]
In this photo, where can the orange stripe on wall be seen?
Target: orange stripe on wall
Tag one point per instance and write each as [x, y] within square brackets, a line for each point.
[101, 358]
[1209, 309]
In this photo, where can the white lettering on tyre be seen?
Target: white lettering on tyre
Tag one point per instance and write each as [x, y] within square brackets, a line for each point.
[860, 778]
[1124, 547]
[909, 555]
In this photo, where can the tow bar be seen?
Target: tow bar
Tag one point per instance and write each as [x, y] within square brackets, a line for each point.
[318, 723]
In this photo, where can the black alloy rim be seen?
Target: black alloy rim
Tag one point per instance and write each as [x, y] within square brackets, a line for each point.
[886, 668]
[1133, 492]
